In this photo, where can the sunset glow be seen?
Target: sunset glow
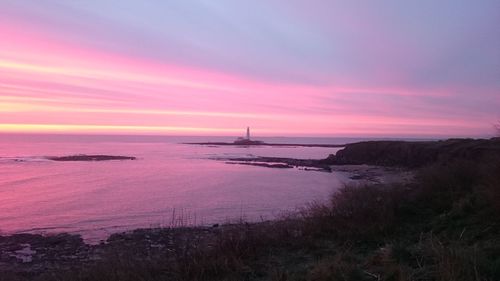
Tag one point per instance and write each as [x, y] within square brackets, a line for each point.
[202, 68]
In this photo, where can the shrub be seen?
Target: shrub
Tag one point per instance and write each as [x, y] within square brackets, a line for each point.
[440, 185]
[491, 183]
[366, 211]
[341, 267]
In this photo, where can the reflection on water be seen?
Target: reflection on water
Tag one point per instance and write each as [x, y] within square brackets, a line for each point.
[169, 184]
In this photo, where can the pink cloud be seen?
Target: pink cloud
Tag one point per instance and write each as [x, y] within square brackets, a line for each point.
[49, 85]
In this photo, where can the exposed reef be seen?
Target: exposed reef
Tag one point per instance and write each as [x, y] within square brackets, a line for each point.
[90, 158]
[260, 164]
[280, 162]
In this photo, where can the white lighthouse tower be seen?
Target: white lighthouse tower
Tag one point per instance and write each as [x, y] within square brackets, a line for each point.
[246, 140]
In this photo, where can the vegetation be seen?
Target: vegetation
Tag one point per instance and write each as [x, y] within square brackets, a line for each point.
[443, 226]
[415, 154]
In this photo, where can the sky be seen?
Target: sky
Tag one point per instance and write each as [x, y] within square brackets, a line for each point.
[384, 68]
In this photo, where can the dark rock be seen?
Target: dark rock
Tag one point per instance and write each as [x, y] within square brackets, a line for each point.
[90, 158]
[280, 162]
[267, 165]
[414, 154]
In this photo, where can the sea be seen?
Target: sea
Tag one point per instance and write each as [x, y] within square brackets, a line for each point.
[170, 184]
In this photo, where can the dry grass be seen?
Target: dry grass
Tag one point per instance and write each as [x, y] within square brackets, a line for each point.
[433, 229]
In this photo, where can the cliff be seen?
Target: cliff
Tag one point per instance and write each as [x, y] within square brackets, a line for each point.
[415, 154]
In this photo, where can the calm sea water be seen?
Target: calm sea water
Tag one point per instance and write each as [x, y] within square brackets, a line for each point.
[170, 183]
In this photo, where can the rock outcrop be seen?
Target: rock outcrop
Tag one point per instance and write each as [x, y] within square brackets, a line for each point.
[83, 157]
[415, 153]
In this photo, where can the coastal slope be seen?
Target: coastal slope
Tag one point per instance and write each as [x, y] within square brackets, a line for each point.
[441, 226]
[415, 154]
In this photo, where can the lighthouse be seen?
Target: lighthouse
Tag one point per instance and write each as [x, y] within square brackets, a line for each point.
[246, 140]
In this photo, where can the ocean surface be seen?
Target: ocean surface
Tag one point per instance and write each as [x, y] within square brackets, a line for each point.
[170, 184]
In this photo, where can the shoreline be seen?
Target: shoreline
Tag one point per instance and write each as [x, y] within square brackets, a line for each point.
[30, 252]
[278, 162]
[37, 253]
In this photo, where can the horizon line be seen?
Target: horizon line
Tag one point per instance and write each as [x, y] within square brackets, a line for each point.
[372, 136]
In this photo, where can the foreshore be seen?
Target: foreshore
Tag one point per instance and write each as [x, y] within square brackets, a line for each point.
[34, 254]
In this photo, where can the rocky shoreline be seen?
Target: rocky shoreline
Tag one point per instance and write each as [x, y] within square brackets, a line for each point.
[414, 154]
[391, 154]
[364, 173]
[33, 254]
[279, 162]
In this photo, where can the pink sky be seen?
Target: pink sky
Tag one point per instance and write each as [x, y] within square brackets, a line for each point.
[283, 71]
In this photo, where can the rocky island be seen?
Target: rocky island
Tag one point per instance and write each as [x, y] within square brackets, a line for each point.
[261, 143]
[247, 141]
[83, 157]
